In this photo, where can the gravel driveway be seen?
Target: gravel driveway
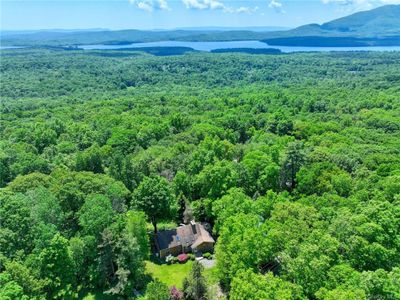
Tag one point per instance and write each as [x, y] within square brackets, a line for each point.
[208, 263]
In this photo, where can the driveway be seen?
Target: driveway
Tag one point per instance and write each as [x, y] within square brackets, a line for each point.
[208, 263]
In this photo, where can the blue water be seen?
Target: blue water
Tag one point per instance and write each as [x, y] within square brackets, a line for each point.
[10, 47]
[208, 46]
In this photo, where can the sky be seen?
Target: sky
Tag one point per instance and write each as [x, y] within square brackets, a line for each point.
[167, 14]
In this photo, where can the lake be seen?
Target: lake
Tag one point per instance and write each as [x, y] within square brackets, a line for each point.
[209, 46]
[10, 47]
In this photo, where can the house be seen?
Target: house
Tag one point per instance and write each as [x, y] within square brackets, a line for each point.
[186, 238]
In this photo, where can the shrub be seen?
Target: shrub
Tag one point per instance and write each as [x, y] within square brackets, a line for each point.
[191, 256]
[182, 258]
[169, 259]
[174, 260]
[207, 255]
[175, 294]
[156, 290]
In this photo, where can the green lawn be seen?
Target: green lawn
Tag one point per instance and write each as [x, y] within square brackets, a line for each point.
[169, 274]
[174, 274]
[162, 226]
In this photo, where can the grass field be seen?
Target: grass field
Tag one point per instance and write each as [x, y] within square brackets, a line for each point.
[174, 274]
[169, 274]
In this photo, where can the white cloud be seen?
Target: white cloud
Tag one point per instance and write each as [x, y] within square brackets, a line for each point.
[203, 4]
[277, 6]
[150, 5]
[246, 9]
[145, 6]
[216, 4]
[162, 4]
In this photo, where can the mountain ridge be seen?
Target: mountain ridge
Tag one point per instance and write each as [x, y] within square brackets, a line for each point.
[376, 27]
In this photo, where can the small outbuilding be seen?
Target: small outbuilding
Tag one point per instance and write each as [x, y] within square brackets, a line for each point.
[186, 238]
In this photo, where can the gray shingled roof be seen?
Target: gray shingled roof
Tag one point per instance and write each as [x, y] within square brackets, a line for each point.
[187, 235]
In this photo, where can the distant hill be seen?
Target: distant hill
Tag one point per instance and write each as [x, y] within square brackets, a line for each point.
[382, 21]
[376, 27]
[30, 31]
[247, 28]
[379, 26]
[56, 38]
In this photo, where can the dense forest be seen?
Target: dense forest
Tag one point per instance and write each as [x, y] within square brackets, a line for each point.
[294, 160]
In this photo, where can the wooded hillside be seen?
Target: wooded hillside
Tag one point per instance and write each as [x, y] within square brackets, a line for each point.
[293, 159]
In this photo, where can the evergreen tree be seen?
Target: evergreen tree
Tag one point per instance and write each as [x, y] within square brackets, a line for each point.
[156, 290]
[194, 285]
[293, 160]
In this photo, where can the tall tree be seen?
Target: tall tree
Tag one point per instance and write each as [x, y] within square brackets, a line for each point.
[249, 285]
[57, 267]
[123, 250]
[90, 160]
[9, 289]
[95, 215]
[156, 290]
[293, 160]
[194, 285]
[154, 197]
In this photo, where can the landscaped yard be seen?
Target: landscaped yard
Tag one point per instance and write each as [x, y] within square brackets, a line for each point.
[169, 274]
[174, 274]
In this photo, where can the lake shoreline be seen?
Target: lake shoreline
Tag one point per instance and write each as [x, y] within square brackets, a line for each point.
[213, 47]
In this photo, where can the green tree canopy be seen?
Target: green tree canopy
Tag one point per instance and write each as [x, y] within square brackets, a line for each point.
[154, 196]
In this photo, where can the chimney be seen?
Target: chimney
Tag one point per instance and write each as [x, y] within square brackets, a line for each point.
[193, 224]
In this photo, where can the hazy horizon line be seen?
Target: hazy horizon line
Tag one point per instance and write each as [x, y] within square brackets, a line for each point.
[148, 29]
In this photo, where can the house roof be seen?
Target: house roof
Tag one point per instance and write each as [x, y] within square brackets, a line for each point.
[166, 239]
[203, 237]
[191, 235]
